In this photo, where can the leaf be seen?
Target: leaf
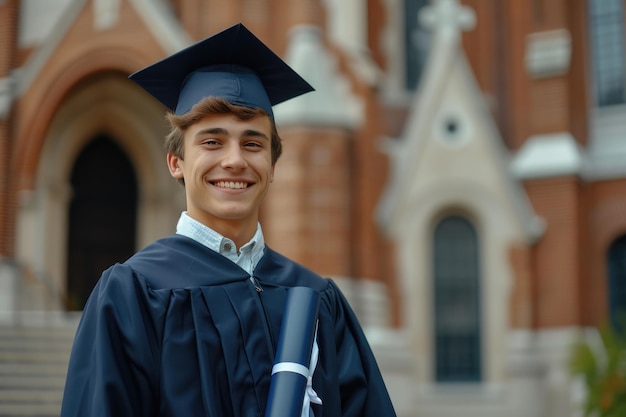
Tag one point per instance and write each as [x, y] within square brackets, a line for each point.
[602, 367]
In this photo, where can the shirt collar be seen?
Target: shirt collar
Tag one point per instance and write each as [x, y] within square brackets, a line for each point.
[252, 250]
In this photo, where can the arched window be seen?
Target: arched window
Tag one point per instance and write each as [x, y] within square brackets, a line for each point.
[416, 42]
[456, 301]
[606, 18]
[617, 281]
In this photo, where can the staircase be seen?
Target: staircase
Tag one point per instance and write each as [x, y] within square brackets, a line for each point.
[34, 353]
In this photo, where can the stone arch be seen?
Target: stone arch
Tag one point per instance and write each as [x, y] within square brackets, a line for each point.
[108, 104]
[48, 91]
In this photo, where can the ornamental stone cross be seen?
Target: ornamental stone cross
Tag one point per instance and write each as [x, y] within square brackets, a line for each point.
[447, 18]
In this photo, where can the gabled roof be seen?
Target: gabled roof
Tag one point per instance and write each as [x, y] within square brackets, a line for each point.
[447, 68]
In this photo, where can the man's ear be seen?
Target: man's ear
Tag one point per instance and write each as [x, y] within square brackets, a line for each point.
[174, 163]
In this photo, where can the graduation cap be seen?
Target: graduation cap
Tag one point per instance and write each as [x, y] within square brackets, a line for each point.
[232, 64]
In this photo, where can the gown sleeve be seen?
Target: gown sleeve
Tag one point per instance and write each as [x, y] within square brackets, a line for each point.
[349, 365]
[114, 357]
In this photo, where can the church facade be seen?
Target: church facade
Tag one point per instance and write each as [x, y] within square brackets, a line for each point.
[460, 171]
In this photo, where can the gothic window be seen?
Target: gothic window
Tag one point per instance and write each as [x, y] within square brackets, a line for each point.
[456, 301]
[416, 41]
[607, 42]
[617, 281]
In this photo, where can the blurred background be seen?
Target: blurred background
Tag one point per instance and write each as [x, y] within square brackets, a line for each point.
[460, 171]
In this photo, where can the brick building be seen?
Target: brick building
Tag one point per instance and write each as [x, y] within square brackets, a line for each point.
[461, 170]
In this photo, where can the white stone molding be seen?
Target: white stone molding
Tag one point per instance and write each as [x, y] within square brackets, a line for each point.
[548, 54]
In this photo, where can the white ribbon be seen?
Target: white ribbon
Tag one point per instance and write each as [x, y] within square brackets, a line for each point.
[293, 367]
[310, 396]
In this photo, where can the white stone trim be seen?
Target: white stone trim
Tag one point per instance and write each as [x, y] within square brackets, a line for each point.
[347, 23]
[106, 14]
[332, 103]
[550, 155]
[447, 19]
[38, 19]
[548, 54]
[31, 69]
[163, 24]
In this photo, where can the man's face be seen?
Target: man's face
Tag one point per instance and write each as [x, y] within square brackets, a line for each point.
[227, 169]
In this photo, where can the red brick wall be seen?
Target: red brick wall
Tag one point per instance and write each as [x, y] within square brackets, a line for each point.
[8, 42]
[307, 214]
[552, 278]
[496, 49]
[556, 257]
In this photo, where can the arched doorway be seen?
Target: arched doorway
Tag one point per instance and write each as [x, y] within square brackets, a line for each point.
[102, 216]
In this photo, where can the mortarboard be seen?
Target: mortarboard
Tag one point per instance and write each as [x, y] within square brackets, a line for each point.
[233, 64]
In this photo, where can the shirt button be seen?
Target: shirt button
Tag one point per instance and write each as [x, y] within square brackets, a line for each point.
[227, 247]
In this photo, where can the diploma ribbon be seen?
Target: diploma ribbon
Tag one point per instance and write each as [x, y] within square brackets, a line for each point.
[310, 395]
[291, 387]
[291, 367]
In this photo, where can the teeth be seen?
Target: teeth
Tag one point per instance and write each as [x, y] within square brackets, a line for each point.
[232, 184]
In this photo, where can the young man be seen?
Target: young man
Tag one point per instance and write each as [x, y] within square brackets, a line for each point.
[189, 325]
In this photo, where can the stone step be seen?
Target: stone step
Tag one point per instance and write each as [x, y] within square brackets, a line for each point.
[34, 332]
[12, 343]
[34, 355]
[17, 396]
[29, 410]
[12, 356]
[32, 382]
[29, 368]
[39, 320]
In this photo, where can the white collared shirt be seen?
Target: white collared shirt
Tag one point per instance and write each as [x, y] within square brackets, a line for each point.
[248, 255]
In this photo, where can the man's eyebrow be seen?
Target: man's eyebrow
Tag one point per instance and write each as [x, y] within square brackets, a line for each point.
[255, 133]
[212, 131]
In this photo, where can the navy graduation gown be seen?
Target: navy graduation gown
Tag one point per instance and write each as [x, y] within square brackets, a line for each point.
[179, 330]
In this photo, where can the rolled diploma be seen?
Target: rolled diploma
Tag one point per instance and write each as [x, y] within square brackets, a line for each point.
[293, 354]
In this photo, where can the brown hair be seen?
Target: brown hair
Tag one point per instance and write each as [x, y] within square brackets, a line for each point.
[214, 105]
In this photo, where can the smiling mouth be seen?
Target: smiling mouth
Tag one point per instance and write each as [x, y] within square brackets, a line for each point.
[235, 185]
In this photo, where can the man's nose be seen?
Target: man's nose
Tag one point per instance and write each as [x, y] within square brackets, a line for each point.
[234, 158]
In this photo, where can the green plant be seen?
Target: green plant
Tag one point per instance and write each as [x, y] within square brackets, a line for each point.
[603, 369]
